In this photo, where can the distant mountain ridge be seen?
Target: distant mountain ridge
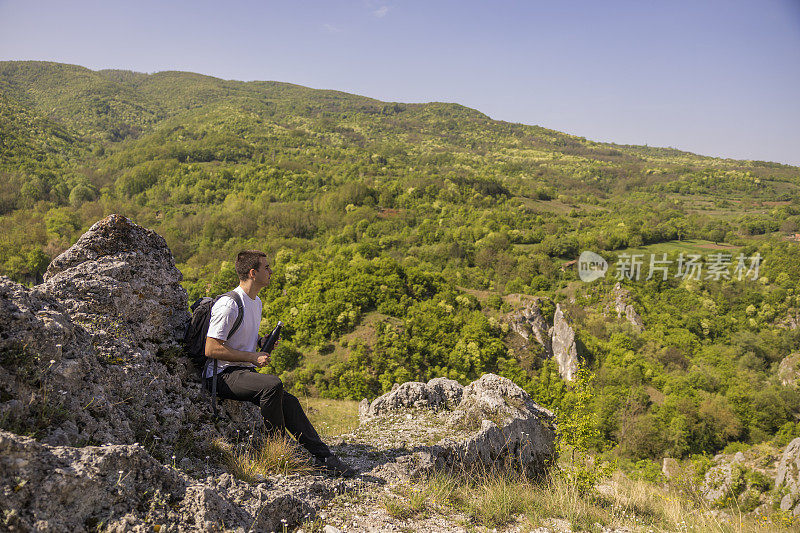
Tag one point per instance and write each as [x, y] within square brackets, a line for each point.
[91, 101]
[136, 99]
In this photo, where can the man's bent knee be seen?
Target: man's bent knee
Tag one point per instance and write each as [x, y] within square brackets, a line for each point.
[271, 384]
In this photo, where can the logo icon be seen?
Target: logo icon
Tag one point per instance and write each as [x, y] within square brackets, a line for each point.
[591, 266]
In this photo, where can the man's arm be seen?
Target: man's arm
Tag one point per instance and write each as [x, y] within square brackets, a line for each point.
[216, 349]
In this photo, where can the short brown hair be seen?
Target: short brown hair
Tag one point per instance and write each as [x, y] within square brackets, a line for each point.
[247, 260]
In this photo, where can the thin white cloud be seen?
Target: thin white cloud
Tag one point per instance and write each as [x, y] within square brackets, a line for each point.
[381, 12]
[331, 28]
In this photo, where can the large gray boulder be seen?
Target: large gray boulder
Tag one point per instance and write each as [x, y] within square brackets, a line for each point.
[120, 279]
[494, 424]
[438, 393]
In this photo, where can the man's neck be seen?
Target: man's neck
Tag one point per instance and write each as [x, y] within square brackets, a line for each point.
[250, 288]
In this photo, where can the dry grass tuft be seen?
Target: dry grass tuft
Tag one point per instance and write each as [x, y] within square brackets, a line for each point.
[275, 455]
[410, 502]
[499, 499]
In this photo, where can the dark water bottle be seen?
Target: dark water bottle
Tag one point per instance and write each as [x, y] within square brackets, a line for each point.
[268, 342]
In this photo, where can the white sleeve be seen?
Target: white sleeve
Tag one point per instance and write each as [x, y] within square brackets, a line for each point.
[223, 315]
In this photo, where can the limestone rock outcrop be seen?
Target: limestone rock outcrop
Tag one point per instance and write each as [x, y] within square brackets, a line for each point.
[122, 487]
[557, 340]
[743, 480]
[493, 423]
[565, 351]
[530, 322]
[438, 393]
[120, 278]
[756, 480]
[624, 308]
[788, 477]
[789, 370]
[719, 480]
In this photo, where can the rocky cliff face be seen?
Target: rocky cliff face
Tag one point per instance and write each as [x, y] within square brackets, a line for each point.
[530, 322]
[624, 308]
[557, 340]
[789, 370]
[565, 350]
[103, 421]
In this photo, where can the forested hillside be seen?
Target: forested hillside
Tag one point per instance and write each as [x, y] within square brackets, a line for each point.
[403, 236]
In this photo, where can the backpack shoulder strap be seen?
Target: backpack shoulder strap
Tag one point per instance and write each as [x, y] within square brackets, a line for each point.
[240, 308]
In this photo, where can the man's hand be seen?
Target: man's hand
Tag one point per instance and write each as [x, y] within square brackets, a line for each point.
[260, 359]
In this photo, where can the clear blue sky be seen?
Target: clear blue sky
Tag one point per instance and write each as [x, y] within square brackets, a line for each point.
[718, 78]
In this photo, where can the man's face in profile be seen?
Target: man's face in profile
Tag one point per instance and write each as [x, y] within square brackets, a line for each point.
[264, 272]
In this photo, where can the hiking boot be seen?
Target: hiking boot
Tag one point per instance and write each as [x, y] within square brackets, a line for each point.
[334, 466]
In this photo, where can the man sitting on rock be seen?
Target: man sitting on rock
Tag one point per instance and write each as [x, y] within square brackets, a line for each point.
[238, 357]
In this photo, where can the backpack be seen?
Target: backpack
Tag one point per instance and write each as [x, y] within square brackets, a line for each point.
[194, 340]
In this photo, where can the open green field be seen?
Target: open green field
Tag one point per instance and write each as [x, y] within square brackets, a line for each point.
[689, 246]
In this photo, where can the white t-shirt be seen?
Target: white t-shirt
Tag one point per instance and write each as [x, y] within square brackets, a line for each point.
[245, 338]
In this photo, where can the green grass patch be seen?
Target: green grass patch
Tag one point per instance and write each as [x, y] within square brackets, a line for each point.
[331, 417]
[688, 246]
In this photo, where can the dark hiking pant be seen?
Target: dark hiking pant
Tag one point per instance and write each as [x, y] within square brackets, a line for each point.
[281, 410]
